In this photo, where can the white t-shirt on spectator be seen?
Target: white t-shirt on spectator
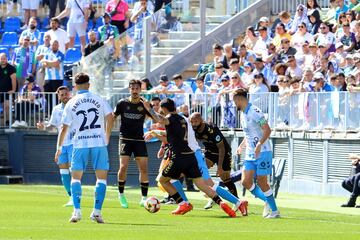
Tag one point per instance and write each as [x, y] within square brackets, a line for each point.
[61, 36]
[294, 72]
[181, 98]
[247, 78]
[200, 95]
[86, 113]
[260, 47]
[76, 15]
[297, 40]
[262, 88]
[137, 6]
[329, 38]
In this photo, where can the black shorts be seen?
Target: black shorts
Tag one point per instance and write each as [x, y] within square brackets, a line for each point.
[214, 157]
[4, 97]
[129, 147]
[182, 163]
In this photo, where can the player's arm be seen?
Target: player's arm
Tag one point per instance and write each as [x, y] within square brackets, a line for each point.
[159, 134]
[61, 137]
[109, 124]
[266, 134]
[157, 117]
[241, 146]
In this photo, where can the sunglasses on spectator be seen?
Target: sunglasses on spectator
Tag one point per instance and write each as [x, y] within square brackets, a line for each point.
[342, 16]
[301, 26]
[322, 27]
[285, 41]
[234, 77]
[300, 10]
[27, 40]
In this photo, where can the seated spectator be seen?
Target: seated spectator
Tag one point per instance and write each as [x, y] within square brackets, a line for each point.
[163, 87]
[215, 77]
[313, 60]
[300, 17]
[303, 55]
[266, 71]
[283, 101]
[59, 34]
[333, 68]
[320, 84]
[307, 83]
[339, 27]
[264, 22]
[145, 85]
[107, 31]
[314, 22]
[351, 19]
[39, 55]
[149, 123]
[201, 96]
[250, 38]
[33, 32]
[348, 39]
[331, 13]
[271, 56]
[29, 101]
[7, 86]
[229, 54]
[340, 84]
[326, 38]
[181, 90]
[93, 44]
[295, 86]
[342, 8]
[235, 81]
[245, 55]
[235, 66]
[263, 41]
[260, 85]
[357, 35]
[285, 50]
[313, 6]
[285, 19]
[293, 69]
[214, 106]
[352, 184]
[339, 55]
[280, 70]
[349, 64]
[248, 74]
[280, 35]
[352, 86]
[300, 37]
[24, 60]
[218, 53]
[150, 6]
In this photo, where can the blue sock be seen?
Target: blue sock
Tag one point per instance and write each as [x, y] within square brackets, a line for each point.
[100, 191]
[66, 180]
[271, 200]
[76, 193]
[225, 194]
[179, 188]
[256, 191]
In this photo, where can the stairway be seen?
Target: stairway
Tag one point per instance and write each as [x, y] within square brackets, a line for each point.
[6, 176]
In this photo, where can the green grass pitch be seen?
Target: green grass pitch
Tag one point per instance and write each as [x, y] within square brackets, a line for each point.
[36, 212]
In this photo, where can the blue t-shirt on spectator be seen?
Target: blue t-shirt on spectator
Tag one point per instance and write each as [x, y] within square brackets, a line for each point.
[341, 10]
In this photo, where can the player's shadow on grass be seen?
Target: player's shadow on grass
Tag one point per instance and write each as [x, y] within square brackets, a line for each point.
[137, 224]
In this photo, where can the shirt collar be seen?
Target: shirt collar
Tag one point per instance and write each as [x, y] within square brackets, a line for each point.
[82, 91]
[246, 110]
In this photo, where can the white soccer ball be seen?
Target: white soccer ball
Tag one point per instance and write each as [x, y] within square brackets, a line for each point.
[152, 204]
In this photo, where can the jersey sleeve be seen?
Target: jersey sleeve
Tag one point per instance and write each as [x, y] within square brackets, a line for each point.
[258, 117]
[67, 117]
[118, 108]
[216, 135]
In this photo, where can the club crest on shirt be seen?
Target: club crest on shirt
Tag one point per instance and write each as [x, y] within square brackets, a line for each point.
[140, 108]
[218, 138]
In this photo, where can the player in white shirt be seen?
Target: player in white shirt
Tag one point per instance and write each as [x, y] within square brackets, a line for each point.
[64, 159]
[89, 114]
[78, 20]
[258, 157]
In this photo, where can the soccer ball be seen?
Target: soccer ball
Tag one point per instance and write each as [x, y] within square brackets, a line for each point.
[152, 204]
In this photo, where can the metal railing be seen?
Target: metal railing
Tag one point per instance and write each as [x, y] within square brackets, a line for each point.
[338, 111]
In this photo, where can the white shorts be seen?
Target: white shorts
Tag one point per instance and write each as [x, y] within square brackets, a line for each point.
[76, 28]
[30, 4]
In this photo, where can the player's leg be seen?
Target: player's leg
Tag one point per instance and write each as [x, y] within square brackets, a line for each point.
[225, 176]
[355, 191]
[248, 180]
[179, 188]
[125, 153]
[142, 163]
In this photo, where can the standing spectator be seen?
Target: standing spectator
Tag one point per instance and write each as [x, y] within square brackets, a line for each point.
[29, 101]
[280, 34]
[293, 69]
[215, 77]
[314, 22]
[300, 17]
[59, 35]
[30, 7]
[24, 60]
[300, 37]
[159, 4]
[229, 54]
[342, 8]
[150, 5]
[260, 85]
[39, 55]
[285, 18]
[181, 90]
[263, 41]
[119, 12]
[352, 184]
[53, 6]
[250, 38]
[53, 63]
[326, 38]
[7, 84]
[228, 113]
[78, 20]
[33, 33]
[348, 39]
[283, 101]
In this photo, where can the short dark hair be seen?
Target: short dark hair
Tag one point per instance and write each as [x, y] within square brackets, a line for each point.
[155, 99]
[177, 76]
[241, 92]
[217, 46]
[61, 88]
[54, 19]
[135, 82]
[81, 78]
[169, 104]
[341, 74]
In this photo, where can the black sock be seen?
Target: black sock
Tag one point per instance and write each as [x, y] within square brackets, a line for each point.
[121, 186]
[144, 188]
[231, 186]
[217, 199]
[177, 198]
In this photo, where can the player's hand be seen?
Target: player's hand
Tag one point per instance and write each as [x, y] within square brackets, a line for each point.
[145, 103]
[220, 171]
[148, 136]
[257, 150]
[57, 155]
[161, 153]
[40, 126]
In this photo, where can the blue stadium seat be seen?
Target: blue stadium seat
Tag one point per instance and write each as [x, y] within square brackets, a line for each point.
[45, 22]
[41, 40]
[77, 40]
[192, 83]
[6, 51]
[12, 24]
[99, 22]
[9, 39]
[72, 55]
[90, 25]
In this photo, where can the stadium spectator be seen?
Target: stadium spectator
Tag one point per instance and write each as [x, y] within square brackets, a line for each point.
[33, 32]
[7, 85]
[342, 8]
[326, 38]
[271, 56]
[163, 87]
[348, 38]
[250, 38]
[245, 55]
[119, 12]
[265, 22]
[248, 75]
[300, 37]
[295, 86]
[263, 41]
[313, 6]
[349, 64]
[150, 5]
[215, 77]
[23, 59]
[181, 90]
[39, 55]
[300, 17]
[285, 50]
[93, 43]
[339, 54]
[313, 60]
[351, 19]
[339, 27]
[293, 69]
[285, 19]
[228, 113]
[280, 69]
[53, 63]
[235, 66]
[201, 96]
[149, 123]
[59, 35]
[30, 7]
[352, 184]
[145, 84]
[340, 84]
[314, 22]
[283, 101]
[260, 84]
[78, 20]
[29, 101]
[53, 6]
[266, 71]
[307, 83]
[331, 12]
[320, 84]
[280, 34]
[107, 30]
[229, 54]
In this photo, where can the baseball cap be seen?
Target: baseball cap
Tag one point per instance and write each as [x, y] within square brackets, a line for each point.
[318, 76]
[338, 45]
[164, 78]
[264, 19]
[349, 56]
[225, 78]
[30, 79]
[248, 64]
[258, 59]
[106, 14]
[313, 44]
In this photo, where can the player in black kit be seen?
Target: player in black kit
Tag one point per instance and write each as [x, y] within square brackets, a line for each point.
[217, 149]
[132, 116]
[183, 160]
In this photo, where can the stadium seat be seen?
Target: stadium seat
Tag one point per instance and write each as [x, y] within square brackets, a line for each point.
[12, 24]
[41, 40]
[99, 22]
[192, 83]
[90, 25]
[72, 55]
[77, 42]
[6, 51]
[9, 39]
[45, 22]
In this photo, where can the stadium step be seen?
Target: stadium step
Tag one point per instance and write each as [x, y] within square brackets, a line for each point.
[165, 50]
[5, 170]
[175, 43]
[196, 26]
[190, 35]
[11, 179]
